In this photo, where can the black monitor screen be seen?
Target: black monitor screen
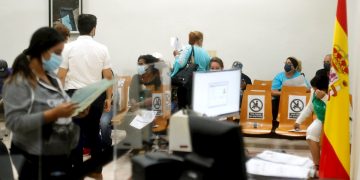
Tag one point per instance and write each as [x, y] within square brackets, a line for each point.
[222, 143]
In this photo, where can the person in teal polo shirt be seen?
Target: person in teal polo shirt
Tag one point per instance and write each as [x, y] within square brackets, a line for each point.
[290, 72]
[201, 58]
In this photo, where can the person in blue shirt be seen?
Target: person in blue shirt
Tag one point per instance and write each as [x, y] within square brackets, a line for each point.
[201, 58]
[290, 72]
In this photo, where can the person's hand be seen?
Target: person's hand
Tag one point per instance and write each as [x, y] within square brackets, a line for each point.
[65, 109]
[147, 102]
[297, 126]
[319, 94]
[133, 105]
[83, 113]
[107, 105]
[176, 52]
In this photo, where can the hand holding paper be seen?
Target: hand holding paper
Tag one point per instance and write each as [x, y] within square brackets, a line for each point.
[174, 42]
[85, 96]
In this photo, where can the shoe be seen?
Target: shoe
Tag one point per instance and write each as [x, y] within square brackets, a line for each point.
[86, 151]
[314, 172]
[95, 175]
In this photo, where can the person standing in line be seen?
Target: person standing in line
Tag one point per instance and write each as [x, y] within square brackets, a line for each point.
[201, 58]
[38, 111]
[87, 61]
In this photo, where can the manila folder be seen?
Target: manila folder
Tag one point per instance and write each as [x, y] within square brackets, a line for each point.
[86, 95]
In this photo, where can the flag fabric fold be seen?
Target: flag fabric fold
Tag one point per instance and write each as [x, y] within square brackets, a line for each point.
[335, 153]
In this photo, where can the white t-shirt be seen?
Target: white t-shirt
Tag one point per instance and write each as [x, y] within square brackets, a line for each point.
[84, 59]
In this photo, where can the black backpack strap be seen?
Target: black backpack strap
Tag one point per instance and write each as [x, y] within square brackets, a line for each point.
[192, 54]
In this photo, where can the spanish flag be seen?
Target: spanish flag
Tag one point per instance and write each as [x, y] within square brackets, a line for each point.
[335, 154]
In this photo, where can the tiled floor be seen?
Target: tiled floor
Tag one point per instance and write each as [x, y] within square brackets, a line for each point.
[121, 168]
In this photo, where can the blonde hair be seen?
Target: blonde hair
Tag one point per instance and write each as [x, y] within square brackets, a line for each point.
[195, 36]
[299, 67]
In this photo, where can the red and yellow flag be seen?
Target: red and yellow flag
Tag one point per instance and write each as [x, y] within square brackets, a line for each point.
[335, 154]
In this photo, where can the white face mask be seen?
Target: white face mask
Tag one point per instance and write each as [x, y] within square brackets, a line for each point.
[142, 69]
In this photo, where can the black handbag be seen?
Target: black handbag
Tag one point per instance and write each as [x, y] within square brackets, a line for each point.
[183, 78]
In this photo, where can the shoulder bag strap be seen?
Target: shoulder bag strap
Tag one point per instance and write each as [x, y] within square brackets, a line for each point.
[191, 59]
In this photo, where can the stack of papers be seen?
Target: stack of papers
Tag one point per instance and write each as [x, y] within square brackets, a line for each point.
[269, 163]
[298, 81]
[86, 95]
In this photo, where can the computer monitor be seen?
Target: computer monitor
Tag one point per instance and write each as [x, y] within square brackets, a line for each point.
[216, 92]
[220, 145]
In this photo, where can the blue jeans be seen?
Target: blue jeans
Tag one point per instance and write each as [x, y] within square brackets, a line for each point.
[105, 128]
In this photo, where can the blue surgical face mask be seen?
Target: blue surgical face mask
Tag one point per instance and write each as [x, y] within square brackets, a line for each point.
[53, 63]
[287, 67]
[142, 69]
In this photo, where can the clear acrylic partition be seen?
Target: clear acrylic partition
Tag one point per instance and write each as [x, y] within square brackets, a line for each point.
[138, 123]
[141, 114]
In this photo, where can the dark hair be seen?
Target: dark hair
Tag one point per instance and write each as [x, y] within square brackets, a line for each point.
[320, 82]
[42, 40]
[294, 61]
[195, 36]
[149, 59]
[86, 23]
[217, 60]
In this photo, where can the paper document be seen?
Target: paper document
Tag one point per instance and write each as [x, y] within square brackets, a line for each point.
[284, 158]
[297, 130]
[266, 168]
[143, 119]
[298, 81]
[175, 43]
[270, 163]
[86, 95]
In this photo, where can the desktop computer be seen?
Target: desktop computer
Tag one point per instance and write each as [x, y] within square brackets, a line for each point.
[216, 93]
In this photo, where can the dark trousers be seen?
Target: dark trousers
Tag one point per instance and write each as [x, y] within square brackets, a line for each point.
[6, 168]
[89, 132]
[275, 111]
[184, 97]
[36, 167]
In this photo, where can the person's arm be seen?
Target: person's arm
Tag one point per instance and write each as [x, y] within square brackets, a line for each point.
[322, 95]
[305, 113]
[181, 60]
[19, 103]
[64, 66]
[62, 72]
[107, 73]
[276, 85]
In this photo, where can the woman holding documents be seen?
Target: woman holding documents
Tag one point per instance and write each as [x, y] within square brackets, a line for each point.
[200, 57]
[317, 105]
[38, 111]
[290, 73]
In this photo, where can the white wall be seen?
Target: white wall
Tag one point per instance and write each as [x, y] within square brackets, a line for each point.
[18, 20]
[260, 33]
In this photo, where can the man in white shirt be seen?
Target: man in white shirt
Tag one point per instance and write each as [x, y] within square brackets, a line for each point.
[85, 62]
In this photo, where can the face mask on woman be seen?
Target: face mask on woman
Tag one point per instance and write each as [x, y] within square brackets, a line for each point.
[142, 69]
[287, 67]
[53, 63]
